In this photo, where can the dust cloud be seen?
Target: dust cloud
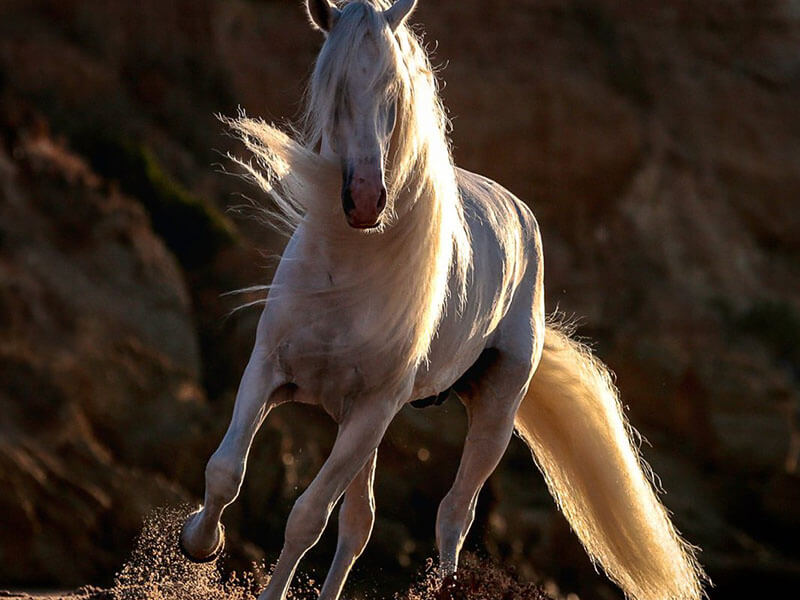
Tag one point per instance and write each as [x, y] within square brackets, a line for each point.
[157, 570]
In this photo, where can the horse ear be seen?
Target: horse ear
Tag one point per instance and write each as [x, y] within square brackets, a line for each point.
[399, 12]
[322, 13]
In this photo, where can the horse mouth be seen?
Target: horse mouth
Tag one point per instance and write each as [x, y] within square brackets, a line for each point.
[364, 226]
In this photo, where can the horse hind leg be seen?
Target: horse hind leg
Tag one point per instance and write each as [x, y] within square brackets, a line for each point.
[356, 518]
[202, 538]
[491, 392]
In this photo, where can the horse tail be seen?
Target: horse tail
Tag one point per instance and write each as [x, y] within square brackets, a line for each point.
[572, 421]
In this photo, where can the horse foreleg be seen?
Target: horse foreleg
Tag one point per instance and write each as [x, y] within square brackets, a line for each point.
[202, 537]
[356, 442]
[491, 404]
[356, 518]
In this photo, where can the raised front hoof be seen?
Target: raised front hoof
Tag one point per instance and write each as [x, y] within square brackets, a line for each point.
[193, 551]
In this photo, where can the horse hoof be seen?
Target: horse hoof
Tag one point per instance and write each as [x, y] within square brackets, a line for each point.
[447, 589]
[205, 557]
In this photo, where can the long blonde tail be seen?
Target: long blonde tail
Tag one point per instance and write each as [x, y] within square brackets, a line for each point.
[572, 420]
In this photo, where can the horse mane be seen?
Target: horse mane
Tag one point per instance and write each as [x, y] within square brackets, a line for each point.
[424, 236]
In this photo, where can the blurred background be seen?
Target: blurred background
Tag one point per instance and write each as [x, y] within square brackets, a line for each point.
[658, 143]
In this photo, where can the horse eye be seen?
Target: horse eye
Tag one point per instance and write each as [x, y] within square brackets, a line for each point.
[390, 117]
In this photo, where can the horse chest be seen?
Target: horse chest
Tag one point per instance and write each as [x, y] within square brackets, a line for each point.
[322, 352]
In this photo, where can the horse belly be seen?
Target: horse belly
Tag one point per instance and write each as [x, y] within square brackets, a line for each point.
[445, 366]
[462, 337]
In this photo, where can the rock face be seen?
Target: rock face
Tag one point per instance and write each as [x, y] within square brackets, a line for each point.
[99, 361]
[658, 144]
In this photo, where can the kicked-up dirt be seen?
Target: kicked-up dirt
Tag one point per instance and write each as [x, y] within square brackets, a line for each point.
[157, 570]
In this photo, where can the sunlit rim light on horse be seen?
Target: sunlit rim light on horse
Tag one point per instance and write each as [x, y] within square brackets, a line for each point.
[363, 322]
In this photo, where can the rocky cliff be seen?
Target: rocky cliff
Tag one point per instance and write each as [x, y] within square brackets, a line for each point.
[658, 144]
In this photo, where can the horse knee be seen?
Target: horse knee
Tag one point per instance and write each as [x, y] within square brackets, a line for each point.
[306, 523]
[223, 478]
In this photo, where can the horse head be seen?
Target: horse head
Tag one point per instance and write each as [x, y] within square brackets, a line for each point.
[354, 97]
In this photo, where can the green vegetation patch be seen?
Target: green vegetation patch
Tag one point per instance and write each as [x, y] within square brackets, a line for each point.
[192, 227]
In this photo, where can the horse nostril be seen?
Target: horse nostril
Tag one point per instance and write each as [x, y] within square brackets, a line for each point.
[347, 200]
[382, 199]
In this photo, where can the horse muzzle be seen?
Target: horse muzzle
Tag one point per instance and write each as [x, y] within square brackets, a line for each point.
[363, 198]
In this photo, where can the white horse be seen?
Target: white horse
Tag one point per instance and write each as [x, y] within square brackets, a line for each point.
[425, 278]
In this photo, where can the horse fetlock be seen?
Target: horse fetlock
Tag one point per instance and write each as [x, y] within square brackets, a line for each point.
[449, 541]
[223, 478]
[448, 562]
[452, 523]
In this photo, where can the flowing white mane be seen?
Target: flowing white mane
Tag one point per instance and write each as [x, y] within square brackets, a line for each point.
[423, 241]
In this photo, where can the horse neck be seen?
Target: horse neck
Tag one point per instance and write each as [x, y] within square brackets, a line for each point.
[412, 239]
[396, 280]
